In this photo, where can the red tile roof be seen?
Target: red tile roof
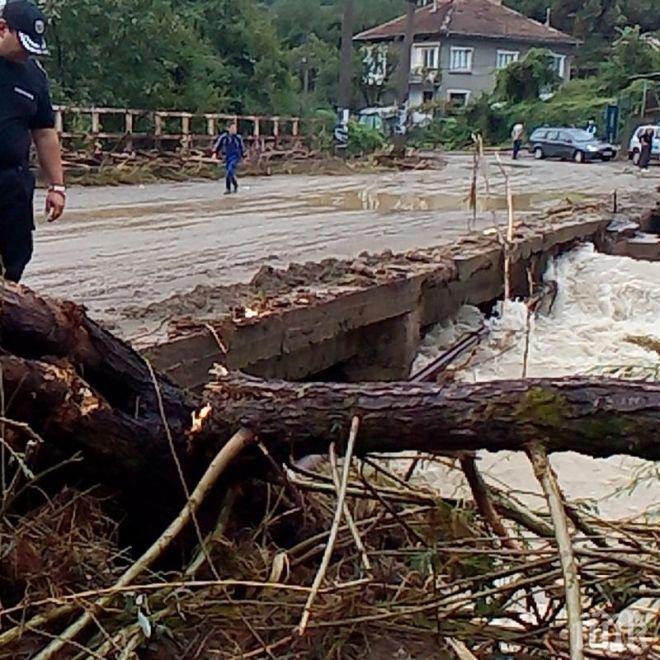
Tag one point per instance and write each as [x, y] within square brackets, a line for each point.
[475, 18]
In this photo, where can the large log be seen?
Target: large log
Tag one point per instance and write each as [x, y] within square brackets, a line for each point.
[593, 416]
[85, 390]
[38, 328]
[71, 418]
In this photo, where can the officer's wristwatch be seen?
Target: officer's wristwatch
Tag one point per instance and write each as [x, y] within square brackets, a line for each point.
[57, 189]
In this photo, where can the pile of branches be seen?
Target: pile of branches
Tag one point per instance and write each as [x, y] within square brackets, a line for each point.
[352, 559]
[99, 166]
[269, 557]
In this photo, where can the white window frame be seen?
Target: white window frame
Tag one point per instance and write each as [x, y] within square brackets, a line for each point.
[461, 49]
[418, 59]
[514, 56]
[467, 93]
[559, 64]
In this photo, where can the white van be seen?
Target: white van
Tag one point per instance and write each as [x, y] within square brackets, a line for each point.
[635, 147]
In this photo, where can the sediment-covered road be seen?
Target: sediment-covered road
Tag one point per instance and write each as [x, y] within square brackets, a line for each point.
[129, 246]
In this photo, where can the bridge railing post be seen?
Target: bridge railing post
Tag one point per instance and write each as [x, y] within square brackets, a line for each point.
[73, 122]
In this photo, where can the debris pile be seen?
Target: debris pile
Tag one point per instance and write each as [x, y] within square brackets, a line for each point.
[402, 571]
[207, 533]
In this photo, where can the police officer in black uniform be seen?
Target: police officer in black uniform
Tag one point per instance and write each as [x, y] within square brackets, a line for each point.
[26, 115]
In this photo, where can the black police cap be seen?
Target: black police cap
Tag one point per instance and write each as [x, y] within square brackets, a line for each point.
[28, 21]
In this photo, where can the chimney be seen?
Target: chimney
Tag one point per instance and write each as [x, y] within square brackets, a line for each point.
[435, 6]
[548, 14]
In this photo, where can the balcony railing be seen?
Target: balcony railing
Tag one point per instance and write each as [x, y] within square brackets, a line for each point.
[421, 75]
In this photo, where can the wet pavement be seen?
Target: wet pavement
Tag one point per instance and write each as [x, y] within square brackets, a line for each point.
[132, 245]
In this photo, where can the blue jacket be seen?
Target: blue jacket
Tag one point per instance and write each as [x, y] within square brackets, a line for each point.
[230, 146]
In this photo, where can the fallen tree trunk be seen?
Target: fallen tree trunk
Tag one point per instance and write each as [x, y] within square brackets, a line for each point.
[593, 416]
[39, 328]
[70, 417]
[84, 390]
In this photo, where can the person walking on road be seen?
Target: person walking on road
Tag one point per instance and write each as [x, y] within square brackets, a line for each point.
[517, 137]
[231, 148]
[591, 128]
[26, 116]
[646, 142]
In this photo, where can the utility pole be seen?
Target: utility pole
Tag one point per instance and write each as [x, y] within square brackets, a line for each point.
[305, 67]
[345, 74]
[404, 78]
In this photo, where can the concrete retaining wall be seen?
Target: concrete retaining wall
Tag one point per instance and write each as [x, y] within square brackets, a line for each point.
[372, 331]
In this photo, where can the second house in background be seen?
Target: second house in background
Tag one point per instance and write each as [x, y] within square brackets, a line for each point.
[459, 46]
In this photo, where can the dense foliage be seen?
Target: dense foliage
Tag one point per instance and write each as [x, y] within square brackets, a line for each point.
[595, 22]
[282, 56]
[527, 78]
[230, 55]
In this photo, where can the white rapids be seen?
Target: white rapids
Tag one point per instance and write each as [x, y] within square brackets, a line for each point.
[602, 304]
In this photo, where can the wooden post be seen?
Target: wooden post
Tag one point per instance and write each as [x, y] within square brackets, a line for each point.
[59, 121]
[158, 124]
[295, 127]
[158, 129]
[96, 122]
[211, 125]
[128, 129]
[256, 132]
[276, 129]
[185, 130]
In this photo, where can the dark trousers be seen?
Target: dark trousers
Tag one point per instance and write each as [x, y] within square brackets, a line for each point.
[645, 157]
[16, 220]
[231, 165]
[517, 147]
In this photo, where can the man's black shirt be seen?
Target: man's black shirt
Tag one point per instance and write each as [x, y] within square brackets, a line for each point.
[25, 105]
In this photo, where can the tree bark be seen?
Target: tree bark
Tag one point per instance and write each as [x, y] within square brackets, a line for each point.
[346, 55]
[593, 416]
[82, 389]
[39, 328]
[70, 417]
[403, 82]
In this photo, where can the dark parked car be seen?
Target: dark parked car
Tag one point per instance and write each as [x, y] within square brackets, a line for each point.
[569, 143]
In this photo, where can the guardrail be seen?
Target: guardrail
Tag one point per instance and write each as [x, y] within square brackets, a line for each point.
[165, 127]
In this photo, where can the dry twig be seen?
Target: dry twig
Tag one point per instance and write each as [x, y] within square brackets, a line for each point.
[320, 575]
[233, 448]
[548, 480]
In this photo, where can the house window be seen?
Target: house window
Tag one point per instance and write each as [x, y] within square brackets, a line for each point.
[559, 65]
[458, 97]
[426, 57]
[506, 57]
[460, 60]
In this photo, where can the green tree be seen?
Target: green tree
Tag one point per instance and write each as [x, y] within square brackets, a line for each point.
[298, 20]
[595, 22]
[632, 54]
[132, 53]
[527, 78]
[242, 35]
[312, 30]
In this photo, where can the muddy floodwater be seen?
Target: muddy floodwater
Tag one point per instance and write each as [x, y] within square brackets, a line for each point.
[132, 245]
[605, 309]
